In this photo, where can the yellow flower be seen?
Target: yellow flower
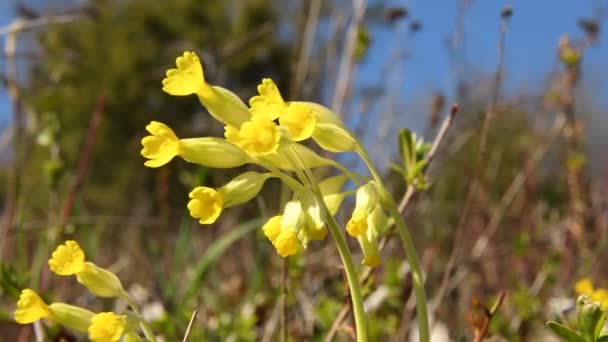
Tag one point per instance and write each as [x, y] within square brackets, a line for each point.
[366, 202]
[30, 308]
[161, 146]
[287, 243]
[189, 79]
[269, 103]
[283, 230]
[297, 117]
[368, 241]
[257, 137]
[583, 286]
[206, 204]
[299, 120]
[69, 259]
[106, 327]
[272, 228]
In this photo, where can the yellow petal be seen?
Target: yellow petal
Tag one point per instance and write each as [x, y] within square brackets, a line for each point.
[357, 225]
[161, 146]
[30, 308]
[259, 137]
[67, 259]
[206, 204]
[299, 120]
[187, 79]
[269, 104]
[583, 286]
[107, 327]
[287, 243]
[272, 228]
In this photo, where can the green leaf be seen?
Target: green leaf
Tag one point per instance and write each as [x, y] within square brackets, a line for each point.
[565, 333]
[603, 338]
[590, 321]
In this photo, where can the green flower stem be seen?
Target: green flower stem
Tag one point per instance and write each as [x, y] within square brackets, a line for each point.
[347, 260]
[142, 324]
[351, 276]
[408, 246]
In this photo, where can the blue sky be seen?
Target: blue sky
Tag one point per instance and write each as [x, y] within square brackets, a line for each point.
[534, 30]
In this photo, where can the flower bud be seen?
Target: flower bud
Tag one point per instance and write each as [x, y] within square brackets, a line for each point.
[71, 316]
[243, 188]
[366, 201]
[100, 282]
[212, 152]
[330, 132]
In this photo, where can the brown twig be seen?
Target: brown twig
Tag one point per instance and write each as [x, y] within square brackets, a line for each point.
[84, 159]
[405, 201]
[488, 314]
[190, 324]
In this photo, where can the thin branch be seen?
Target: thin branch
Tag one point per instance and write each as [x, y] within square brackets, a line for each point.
[312, 21]
[190, 324]
[489, 313]
[346, 63]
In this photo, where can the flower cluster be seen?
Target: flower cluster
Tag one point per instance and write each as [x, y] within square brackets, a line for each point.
[269, 132]
[69, 259]
[585, 287]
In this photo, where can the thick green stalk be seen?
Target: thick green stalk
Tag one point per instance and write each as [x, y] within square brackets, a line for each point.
[408, 246]
[351, 277]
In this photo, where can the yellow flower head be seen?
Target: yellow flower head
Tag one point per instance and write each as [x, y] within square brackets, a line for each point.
[272, 228]
[187, 79]
[299, 120]
[107, 327]
[287, 243]
[357, 225]
[161, 146]
[269, 103]
[257, 137]
[30, 308]
[583, 286]
[206, 204]
[67, 259]
[366, 201]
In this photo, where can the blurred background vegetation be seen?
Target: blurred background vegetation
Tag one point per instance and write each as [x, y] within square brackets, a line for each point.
[516, 204]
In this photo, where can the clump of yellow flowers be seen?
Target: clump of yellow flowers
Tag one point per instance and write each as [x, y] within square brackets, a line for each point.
[268, 133]
[69, 259]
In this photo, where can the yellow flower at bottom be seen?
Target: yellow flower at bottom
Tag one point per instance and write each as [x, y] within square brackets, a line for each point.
[67, 259]
[107, 327]
[272, 228]
[287, 243]
[299, 120]
[206, 204]
[257, 137]
[30, 308]
[161, 146]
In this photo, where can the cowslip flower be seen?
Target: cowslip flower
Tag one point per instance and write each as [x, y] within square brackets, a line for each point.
[377, 223]
[188, 78]
[31, 308]
[206, 204]
[258, 136]
[365, 202]
[69, 259]
[585, 287]
[163, 145]
[107, 327]
[302, 120]
[297, 118]
[282, 230]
